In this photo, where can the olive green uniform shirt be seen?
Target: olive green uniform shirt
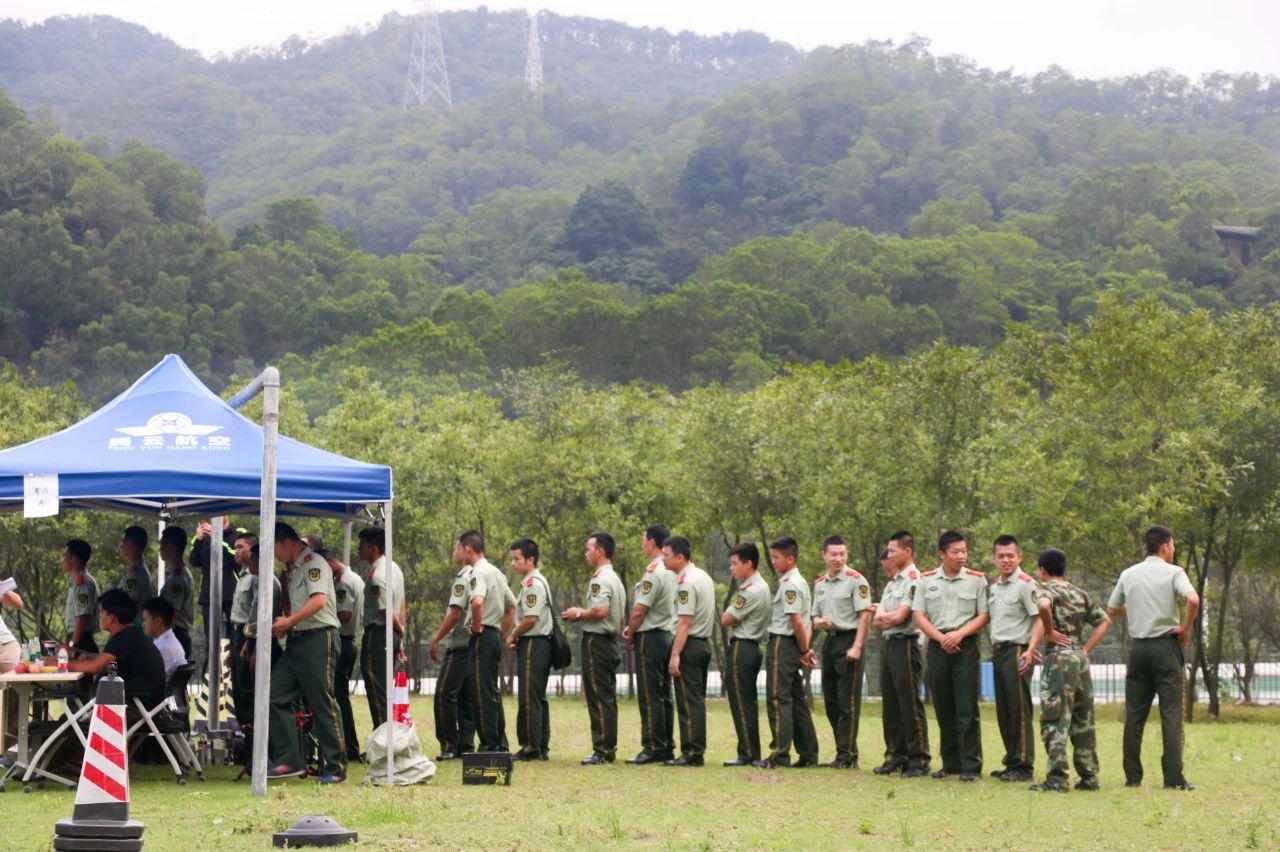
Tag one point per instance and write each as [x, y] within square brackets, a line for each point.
[244, 604]
[751, 606]
[136, 583]
[308, 576]
[900, 591]
[1012, 603]
[348, 592]
[82, 599]
[460, 596]
[605, 589]
[657, 591]
[792, 597]
[1150, 593]
[490, 584]
[951, 602]
[535, 599]
[375, 589]
[178, 590]
[842, 598]
[696, 597]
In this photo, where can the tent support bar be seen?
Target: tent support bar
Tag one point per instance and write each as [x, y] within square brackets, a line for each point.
[249, 391]
[393, 609]
[213, 621]
[269, 381]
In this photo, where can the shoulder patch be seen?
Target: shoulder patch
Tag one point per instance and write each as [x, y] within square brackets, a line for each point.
[864, 592]
[684, 596]
[790, 596]
[646, 587]
[595, 590]
[739, 601]
[313, 574]
[973, 573]
[530, 600]
[458, 589]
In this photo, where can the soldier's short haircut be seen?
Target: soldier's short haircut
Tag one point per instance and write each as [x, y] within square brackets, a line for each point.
[80, 549]
[119, 604]
[286, 532]
[947, 539]
[1005, 540]
[604, 541]
[315, 542]
[137, 536]
[473, 539]
[526, 547]
[1053, 561]
[252, 538]
[375, 536]
[1156, 537]
[834, 541]
[904, 540]
[680, 546]
[177, 538]
[657, 533]
[161, 608]
[786, 545]
[747, 552]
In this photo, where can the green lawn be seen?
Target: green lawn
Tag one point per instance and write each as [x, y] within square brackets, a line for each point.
[562, 804]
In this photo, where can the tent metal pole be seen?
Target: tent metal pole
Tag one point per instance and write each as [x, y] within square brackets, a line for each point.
[393, 609]
[266, 572]
[213, 653]
[247, 392]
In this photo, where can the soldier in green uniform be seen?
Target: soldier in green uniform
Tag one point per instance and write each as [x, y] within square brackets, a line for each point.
[348, 592]
[789, 649]
[842, 611]
[244, 615]
[950, 609]
[747, 618]
[1148, 595]
[601, 621]
[136, 580]
[906, 734]
[177, 584]
[1012, 603]
[493, 609]
[383, 593]
[649, 634]
[455, 720]
[1066, 689]
[531, 640]
[81, 614]
[304, 672]
[691, 647]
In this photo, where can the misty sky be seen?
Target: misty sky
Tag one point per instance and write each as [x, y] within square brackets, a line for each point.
[1088, 37]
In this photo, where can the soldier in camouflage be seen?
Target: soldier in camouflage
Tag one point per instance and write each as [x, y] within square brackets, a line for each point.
[1066, 689]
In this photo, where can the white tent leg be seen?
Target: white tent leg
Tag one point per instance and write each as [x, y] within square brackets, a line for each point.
[213, 713]
[393, 608]
[159, 584]
[266, 571]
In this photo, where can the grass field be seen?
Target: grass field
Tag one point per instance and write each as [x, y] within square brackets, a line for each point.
[561, 804]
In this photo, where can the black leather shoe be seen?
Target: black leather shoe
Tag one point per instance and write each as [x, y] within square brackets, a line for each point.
[1185, 785]
[597, 759]
[769, 763]
[642, 758]
[998, 774]
[915, 772]
[804, 763]
[970, 776]
[1133, 783]
[942, 773]
[445, 755]
[1015, 775]
[686, 760]
[889, 767]
[840, 763]
[526, 755]
[737, 761]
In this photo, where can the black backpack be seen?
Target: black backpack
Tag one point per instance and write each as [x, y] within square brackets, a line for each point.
[561, 653]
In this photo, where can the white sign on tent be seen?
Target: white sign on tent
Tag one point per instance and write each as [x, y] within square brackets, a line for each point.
[40, 495]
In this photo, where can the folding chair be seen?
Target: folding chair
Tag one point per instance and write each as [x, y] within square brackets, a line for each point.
[168, 723]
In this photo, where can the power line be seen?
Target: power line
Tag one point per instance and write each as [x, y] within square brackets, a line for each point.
[427, 82]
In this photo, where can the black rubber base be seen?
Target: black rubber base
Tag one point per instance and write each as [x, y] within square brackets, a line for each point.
[126, 830]
[97, 844]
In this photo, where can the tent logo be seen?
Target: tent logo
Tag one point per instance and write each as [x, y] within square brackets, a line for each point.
[170, 424]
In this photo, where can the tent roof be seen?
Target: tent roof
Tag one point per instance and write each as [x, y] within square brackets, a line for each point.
[168, 442]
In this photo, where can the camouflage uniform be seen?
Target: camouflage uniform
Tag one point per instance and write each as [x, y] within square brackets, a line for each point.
[1066, 689]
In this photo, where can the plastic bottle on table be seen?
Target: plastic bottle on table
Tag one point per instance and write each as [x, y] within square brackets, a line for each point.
[62, 659]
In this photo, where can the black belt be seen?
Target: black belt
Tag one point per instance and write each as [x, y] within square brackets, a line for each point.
[892, 636]
[309, 630]
[790, 636]
[381, 628]
[1173, 636]
[524, 636]
[1007, 644]
[841, 633]
[653, 630]
[733, 639]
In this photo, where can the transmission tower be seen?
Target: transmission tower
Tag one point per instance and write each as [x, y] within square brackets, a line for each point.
[427, 83]
[533, 58]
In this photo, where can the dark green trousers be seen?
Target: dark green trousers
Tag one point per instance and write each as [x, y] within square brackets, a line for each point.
[373, 665]
[533, 715]
[342, 693]
[455, 718]
[600, 659]
[304, 673]
[491, 721]
[906, 734]
[1156, 668]
[789, 716]
[842, 693]
[743, 666]
[657, 712]
[241, 678]
[953, 681]
[1013, 706]
[691, 696]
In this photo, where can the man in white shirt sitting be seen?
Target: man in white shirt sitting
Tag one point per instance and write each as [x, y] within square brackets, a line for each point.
[157, 622]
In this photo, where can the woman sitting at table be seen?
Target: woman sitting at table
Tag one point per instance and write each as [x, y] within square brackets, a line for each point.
[138, 662]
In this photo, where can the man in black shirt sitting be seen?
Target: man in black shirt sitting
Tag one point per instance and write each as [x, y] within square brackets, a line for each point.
[138, 661]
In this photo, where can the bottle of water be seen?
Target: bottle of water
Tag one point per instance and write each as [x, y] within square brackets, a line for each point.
[62, 659]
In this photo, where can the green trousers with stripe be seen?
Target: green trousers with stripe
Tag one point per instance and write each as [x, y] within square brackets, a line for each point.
[533, 715]
[491, 721]
[743, 664]
[653, 680]
[691, 696]
[600, 659]
[1013, 706]
[790, 719]
[373, 666]
[304, 673]
[842, 693]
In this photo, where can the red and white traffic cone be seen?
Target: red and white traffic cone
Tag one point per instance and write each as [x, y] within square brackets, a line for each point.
[400, 700]
[100, 819]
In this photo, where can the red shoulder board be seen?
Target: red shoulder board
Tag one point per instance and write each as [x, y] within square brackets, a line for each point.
[529, 582]
[596, 573]
[929, 573]
[682, 579]
[79, 579]
[1026, 578]
[973, 573]
[849, 572]
[651, 568]
[913, 574]
[308, 559]
[747, 586]
[820, 579]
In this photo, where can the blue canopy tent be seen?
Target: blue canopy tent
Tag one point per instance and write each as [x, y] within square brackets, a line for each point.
[169, 446]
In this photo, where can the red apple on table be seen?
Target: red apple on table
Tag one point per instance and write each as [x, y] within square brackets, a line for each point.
[20, 668]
